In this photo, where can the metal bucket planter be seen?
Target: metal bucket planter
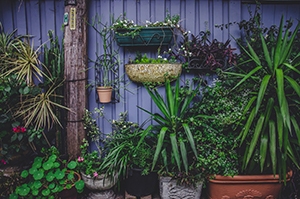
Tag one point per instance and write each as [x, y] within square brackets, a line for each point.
[153, 72]
[245, 186]
[168, 189]
[149, 36]
[98, 183]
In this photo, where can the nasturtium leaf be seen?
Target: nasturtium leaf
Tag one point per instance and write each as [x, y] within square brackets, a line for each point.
[52, 158]
[47, 165]
[70, 176]
[32, 170]
[72, 165]
[46, 192]
[79, 190]
[37, 165]
[64, 170]
[60, 188]
[37, 184]
[13, 196]
[56, 164]
[50, 176]
[55, 189]
[79, 184]
[59, 174]
[35, 192]
[51, 197]
[68, 186]
[24, 190]
[31, 184]
[38, 159]
[24, 174]
[62, 181]
[51, 186]
[38, 175]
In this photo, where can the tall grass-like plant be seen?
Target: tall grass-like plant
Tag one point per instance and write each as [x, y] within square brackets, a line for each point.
[274, 105]
[174, 132]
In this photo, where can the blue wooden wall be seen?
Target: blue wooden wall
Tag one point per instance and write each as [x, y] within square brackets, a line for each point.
[36, 17]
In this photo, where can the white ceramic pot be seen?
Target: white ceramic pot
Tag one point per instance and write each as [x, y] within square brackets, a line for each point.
[169, 189]
[98, 183]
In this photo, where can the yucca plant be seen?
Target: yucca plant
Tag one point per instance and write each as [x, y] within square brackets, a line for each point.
[274, 105]
[174, 132]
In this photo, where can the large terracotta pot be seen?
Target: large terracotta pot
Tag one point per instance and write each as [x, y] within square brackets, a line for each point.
[153, 72]
[104, 94]
[245, 186]
[98, 183]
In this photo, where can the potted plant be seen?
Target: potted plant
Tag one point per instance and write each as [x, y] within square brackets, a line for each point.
[107, 64]
[175, 147]
[129, 153]
[201, 53]
[143, 69]
[271, 118]
[127, 33]
[50, 177]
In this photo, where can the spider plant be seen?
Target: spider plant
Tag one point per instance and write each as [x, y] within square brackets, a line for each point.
[174, 132]
[274, 106]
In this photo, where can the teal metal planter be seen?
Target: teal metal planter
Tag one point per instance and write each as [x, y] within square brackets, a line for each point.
[148, 36]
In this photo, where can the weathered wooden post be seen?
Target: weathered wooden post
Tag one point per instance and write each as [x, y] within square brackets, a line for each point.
[75, 77]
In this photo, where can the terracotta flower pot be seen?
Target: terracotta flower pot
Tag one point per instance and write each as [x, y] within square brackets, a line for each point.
[104, 94]
[245, 186]
[98, 183]
[153, 72]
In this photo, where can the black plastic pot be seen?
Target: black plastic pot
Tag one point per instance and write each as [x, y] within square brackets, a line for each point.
[140, 185]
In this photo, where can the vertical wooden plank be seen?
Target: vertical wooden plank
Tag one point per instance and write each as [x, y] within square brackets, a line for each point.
[7, 16]
[20, 14]
[33, 21]
[268, 12]
[204, 15]
[235, 14]
[59, 8]
[217, 19]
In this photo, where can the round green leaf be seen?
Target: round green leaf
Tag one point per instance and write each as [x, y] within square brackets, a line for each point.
[50, 177]
[56, 189]
[68, 186]
[72, 165]
[38, 175]
[63, 181]
[26, 90]
[24, 174]
[24, 190]
[13, 196]
[35, 192]
[56, 164]
[46, 192]
[79, 190]
[60, 188]
[38, 159]
[70, 176]
[47, 165]
[32, 170]
[52, 158]
[79, 184]
[51, 186]
[51, 197]
[37, 184]
[59, 174]
[37, 165]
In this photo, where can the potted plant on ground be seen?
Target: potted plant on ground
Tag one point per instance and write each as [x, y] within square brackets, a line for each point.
[271, 130]
[151, 34]
[143, 69]
[175, 147]
[129, 153]
[50, 177]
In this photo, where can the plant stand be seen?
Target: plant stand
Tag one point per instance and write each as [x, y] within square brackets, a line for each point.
[148, 36]
[169, 189]
[153, 72]
[245, 186]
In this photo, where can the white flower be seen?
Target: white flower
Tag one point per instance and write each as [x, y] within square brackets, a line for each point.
[159, 57]
[189, 32]
[170, 49]
[147, 21]
[165, 59]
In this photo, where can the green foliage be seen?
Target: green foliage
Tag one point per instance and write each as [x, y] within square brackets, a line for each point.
[274, 107]
[47, 177]
[145, 60]
[174, 138]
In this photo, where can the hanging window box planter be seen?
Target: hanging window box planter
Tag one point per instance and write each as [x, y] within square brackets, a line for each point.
[147, 36]
[150, 72]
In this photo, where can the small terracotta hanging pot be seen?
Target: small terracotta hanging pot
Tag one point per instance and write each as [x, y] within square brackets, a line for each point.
[104, 94]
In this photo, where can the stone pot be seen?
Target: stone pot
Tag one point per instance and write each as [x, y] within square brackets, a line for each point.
[245, 186]
[153, 72]
[169, 189]
[104, 94]
[98, 183]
